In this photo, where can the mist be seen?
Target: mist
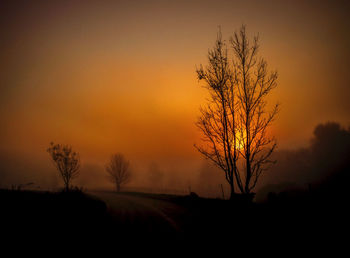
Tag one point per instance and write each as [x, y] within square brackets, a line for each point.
[326, 156]
[175, 121]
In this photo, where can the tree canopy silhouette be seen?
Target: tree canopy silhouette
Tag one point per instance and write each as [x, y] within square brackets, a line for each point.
[324, 163]
[66, 161]
[118, 170]
[218, 118]
[254, 83]
[235, 120]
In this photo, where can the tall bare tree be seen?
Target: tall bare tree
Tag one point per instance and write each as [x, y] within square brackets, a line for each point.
[118, 170]
[253, 83]
[235, 121]
[66, 161]
[218, 118]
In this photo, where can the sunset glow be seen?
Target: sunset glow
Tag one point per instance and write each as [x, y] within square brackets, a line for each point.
[162, 124]
[118, 76]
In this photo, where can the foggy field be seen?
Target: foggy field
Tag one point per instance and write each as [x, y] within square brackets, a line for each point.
[174, 121]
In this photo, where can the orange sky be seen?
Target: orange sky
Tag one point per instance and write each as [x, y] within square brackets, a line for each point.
[116, 76]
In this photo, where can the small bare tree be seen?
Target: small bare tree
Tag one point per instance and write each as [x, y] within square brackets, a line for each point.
[118, 170]
[253, 83]
[218, 119]
[66, 161]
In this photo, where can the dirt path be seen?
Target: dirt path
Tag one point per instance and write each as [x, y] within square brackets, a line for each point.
[136, 214]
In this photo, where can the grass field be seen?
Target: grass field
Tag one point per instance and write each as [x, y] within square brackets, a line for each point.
[150, 217]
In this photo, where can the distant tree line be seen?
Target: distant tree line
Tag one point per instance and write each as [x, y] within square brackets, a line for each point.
[67, 162]
[325, 162]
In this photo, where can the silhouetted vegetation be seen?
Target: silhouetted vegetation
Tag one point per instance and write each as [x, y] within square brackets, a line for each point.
[218, 119]
[51, 214]
[254, 83]
[325, 162]
[118, 170]
[302, 214]
[235, 121]
[66, 161]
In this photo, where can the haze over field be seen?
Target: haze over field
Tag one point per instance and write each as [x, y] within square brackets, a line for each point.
[119, 76]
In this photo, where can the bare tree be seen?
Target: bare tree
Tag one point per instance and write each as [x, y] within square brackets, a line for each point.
[218, 119]
[66, 161]
[235, 121]
[253, 83]
[118, 170]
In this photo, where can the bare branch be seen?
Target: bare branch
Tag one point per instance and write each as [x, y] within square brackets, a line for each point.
[254, 83]
[66, 161]
[118, 170]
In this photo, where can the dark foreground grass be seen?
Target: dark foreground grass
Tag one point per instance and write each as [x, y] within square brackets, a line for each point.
[50, 213]
[310, 215]
[74, 216]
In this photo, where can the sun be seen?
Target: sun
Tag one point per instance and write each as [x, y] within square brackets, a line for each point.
[239, 144]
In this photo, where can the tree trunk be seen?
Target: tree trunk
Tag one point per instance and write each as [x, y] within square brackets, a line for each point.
[118, 188]
[249, 173]
[232, 188]
[67, 186]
